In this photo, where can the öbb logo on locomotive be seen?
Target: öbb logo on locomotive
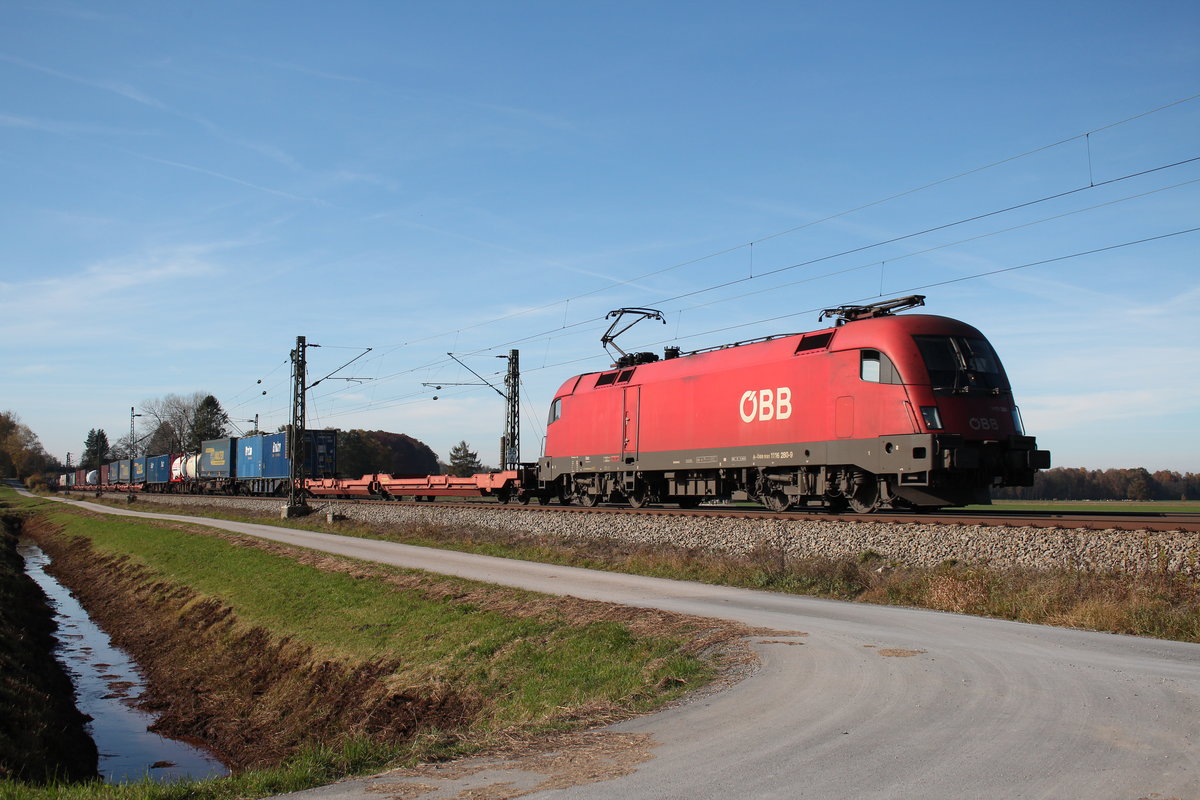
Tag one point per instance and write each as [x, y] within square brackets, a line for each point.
[764, 404]
[876, 410]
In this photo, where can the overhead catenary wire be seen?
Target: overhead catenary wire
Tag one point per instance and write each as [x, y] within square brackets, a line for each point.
[803, 226]
[558, 332]
[391, 402]
[555, 332]
[958, 279]
[573, 328]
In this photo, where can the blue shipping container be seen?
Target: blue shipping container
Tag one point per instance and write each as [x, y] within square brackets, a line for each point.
[158, 469]
[218, 458]
[250, 457]
[123, 469]
[320, 455]
[275, 460]
[139, 470]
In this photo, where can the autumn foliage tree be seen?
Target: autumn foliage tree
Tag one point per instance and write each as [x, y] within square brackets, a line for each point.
[21, 454]
[367, 452]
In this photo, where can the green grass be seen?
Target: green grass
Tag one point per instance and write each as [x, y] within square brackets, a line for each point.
[530, 667]
[360, 619]
[315, 766]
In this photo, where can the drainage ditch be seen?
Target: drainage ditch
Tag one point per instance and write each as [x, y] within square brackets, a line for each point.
[108, 686]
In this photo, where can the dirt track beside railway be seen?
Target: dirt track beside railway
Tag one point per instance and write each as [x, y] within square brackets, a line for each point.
[910, 544]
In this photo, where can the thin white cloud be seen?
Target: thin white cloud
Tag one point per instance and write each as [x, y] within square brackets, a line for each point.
[348, 176]
[1066, 412]
[125, 90]
[223, 176]
[291, 66]
[67, 128]
[543, 118]
[153, 282]
[35, 369]
[135, 94]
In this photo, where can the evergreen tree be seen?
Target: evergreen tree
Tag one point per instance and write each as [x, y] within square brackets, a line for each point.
[462, 461]
[209, 422]
[96, 450]
[164, 439]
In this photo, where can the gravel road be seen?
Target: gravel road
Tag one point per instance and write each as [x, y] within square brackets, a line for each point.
[850, 701]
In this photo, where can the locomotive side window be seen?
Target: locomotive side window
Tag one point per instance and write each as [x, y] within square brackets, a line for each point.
[625, 376]
[606, 379]
[555, 410]
[869, 366]
[876, 367]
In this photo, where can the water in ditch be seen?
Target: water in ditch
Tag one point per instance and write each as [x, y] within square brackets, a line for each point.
[107, 686]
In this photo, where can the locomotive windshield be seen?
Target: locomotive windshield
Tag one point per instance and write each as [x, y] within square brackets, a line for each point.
[960, 365]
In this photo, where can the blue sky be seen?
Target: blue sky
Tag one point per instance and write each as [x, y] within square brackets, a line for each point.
[187, 188]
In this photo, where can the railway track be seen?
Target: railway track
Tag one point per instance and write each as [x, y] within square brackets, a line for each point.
[1083, 519]
[1092, 520]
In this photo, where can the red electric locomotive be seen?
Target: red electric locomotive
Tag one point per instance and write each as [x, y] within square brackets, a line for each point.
[878, 411]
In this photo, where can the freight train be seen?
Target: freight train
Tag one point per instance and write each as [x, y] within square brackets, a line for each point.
[256, 465]
[879, 410]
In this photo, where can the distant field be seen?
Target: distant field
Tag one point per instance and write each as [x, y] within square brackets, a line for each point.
[1110, 506]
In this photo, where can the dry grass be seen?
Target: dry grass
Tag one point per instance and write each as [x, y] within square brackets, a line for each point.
[1159, 604]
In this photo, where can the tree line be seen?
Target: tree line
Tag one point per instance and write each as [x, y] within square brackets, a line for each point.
[1078, 483]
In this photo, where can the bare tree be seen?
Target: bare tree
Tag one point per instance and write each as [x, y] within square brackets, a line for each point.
[172, 421]
[124, 447]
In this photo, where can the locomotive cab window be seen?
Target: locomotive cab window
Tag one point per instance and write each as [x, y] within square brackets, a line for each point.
[876, 367]
[960, 365]
[555, 410]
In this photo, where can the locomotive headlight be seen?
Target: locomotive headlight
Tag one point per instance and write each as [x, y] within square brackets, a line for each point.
[933, 420]
[1018, 425]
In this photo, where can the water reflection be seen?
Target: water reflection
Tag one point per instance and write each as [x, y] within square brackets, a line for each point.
[107, 685]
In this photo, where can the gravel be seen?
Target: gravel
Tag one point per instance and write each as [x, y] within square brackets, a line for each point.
[914, 544]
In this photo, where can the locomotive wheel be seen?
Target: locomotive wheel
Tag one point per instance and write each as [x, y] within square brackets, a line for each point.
[503, 497]
[543, 499]
[523, 499]
[637, 499]
[777, 502]
[864, 497]
[587, 500]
